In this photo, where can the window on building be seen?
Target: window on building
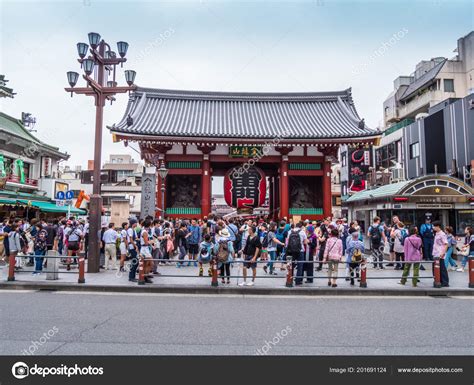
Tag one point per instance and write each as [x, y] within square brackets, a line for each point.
[414, 150]
[107, 200]
[448, 85]
[384, 155]
[123, 174]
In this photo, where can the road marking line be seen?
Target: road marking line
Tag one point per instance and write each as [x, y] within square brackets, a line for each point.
[248, 296]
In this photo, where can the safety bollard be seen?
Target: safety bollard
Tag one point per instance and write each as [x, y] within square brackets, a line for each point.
[363, 273]
[81, 269]
[289, 274]
[11, 268]
[436, 272]
[141, 270]
[470, 265]
[214, 281]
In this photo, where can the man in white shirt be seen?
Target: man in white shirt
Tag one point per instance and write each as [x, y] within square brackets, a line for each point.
[110, 247]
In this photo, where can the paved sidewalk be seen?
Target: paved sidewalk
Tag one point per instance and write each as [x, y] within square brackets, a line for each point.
[379, 282]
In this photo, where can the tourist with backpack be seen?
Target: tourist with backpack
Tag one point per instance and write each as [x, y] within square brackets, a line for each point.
[399, 234]
[323, 237]
[194, 238]
[343, 233]
[206, 253]
[251, 252]
[468, 248]
[182, 236]
[377, 238]
[73, 235]
[263, 235]
[333, 255]
[452, 244]
[281, 234]
[235, 235]
[412, 252]
[295, 247]
[310, 252]
[272, 243]
[224, 253]
[40, 248]
[354, 250]
[14, 245]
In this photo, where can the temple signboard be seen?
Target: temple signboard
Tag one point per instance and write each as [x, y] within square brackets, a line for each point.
[244, 151]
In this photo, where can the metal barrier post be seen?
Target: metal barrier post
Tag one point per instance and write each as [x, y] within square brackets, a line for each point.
[470, 265]
[11, 268]
[436, 272]
[141, 270]
[214, 281]
[289, 274]
[81, 269]
[363, 273]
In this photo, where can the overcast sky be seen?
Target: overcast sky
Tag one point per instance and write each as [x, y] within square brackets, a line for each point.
[318, 45]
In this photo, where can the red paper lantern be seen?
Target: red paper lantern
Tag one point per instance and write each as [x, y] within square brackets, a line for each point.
[245, 188]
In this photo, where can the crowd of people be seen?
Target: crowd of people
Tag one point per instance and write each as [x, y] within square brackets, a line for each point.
[310, 246]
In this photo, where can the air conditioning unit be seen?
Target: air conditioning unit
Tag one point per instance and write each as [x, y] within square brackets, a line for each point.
[398, 175]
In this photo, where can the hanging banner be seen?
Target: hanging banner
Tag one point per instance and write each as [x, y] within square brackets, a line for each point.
[21, 170]
[3, 174]
[246, 189]
[359, 163]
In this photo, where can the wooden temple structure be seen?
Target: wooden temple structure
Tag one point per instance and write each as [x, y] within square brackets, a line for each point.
[291, 137]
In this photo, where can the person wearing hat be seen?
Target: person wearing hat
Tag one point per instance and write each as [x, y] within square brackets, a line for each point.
[427, 234]
[224, 252]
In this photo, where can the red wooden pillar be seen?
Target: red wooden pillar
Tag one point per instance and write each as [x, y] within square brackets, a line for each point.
[271, 204]
[206, 186]
[159, 156]
[206, 180]
[284, 194]
[327, 195]
[284, 190]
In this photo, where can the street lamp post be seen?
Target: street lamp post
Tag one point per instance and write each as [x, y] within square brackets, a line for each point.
[98, 66]
[163, 172]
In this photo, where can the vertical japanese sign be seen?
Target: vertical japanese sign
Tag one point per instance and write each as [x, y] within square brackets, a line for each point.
[148, 203]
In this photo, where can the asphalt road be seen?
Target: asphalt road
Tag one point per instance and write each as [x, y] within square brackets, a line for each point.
[63, 323]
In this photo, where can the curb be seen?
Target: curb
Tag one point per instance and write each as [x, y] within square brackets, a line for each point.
[170, 289]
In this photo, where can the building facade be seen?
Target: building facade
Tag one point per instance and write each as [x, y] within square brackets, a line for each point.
[121, 181]
[433, 81]
[29, 178]
[285, 140]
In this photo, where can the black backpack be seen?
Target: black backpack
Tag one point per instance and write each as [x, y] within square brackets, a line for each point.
[375, 238]
[294, 242]
[265, 241]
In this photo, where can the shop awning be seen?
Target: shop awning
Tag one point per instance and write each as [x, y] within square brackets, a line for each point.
[6, 201]
[49, 207]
